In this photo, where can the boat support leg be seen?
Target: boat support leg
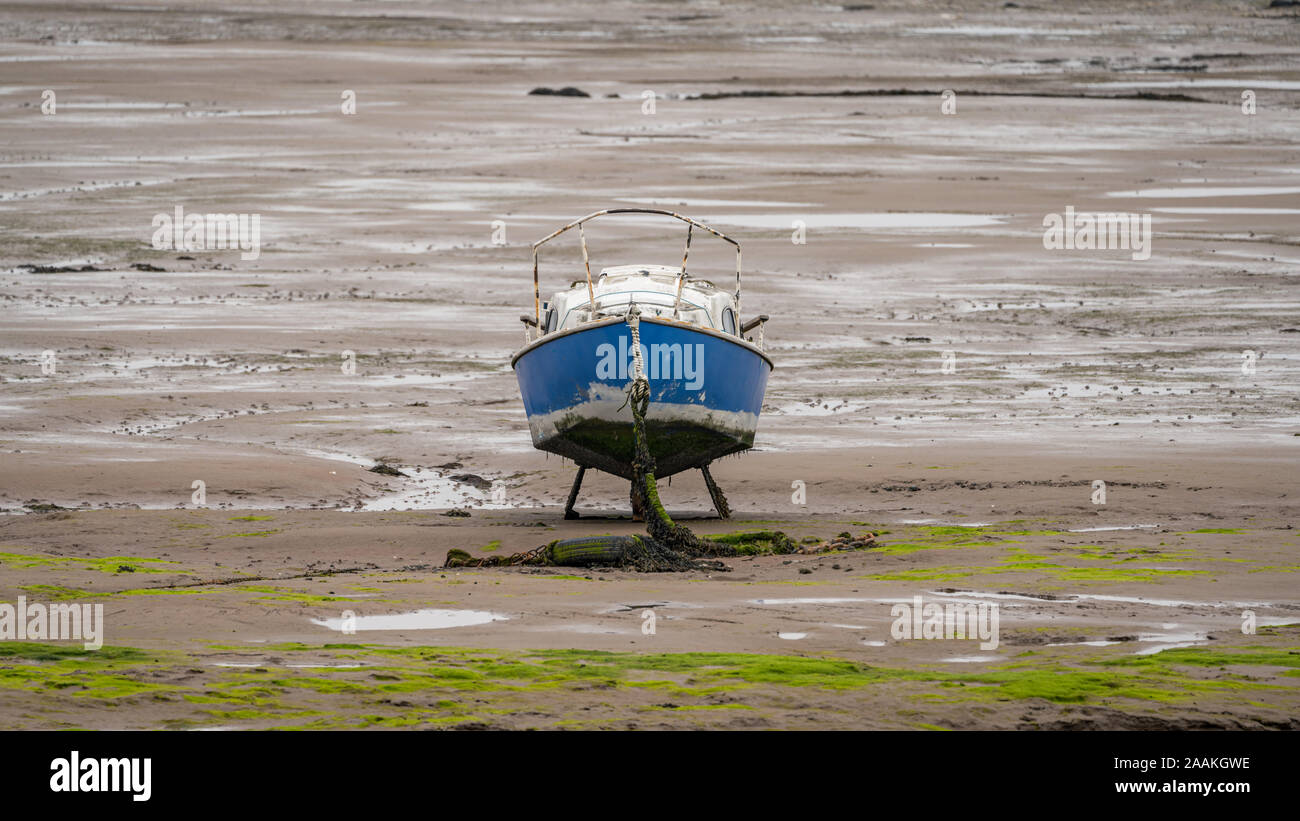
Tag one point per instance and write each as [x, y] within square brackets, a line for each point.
[715, 492]
[569, 512]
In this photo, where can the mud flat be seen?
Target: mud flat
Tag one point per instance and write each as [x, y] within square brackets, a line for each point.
[1128, 619]
[923, 246]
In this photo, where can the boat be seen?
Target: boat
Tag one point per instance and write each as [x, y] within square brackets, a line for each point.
[707, 372]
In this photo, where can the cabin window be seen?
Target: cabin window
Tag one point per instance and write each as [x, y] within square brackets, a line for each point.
[549, 321]
[729, 321]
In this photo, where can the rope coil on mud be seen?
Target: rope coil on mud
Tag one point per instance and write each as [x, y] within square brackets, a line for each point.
[670, 546]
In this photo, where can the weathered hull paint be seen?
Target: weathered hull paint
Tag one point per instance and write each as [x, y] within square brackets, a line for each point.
[706, 391]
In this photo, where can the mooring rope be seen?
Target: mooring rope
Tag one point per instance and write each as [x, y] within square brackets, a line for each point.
[639, 391]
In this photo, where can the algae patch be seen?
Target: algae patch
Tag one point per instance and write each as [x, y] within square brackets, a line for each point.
[108, 564]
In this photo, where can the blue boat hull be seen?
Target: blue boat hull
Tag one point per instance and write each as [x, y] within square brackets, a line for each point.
[706, 391]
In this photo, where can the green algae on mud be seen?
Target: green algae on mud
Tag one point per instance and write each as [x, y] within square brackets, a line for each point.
[56, 592]
[284, 594]
[1101, 564]
[942, 537]
[108, 673]
[1053, 571]
[754, 542]
[472, 684]
[109, 564]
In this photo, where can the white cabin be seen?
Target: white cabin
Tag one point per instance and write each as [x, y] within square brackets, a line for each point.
[657, 290]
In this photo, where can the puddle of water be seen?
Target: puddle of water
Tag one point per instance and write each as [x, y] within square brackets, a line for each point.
[1114, 527]
[452, 205]
[811, 601]
[1260, 256]
[655, 605]
[1225, 210]
[973, 595]
[429, 490]
[913, 219]
[1277, 85]
[585, 629]
[1169, 641]
[1269, 622]
[1208, 191]
[348, 666]
[1099, 597]
[1003, 31]
[792, 636]
[971, 659]
[1170, 602]
[873, 643]
[417, 620]
[424, 488]
[704, 203]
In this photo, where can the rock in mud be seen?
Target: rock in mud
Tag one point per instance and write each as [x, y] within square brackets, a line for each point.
[472, 479]
[58, 269]
[567, 91]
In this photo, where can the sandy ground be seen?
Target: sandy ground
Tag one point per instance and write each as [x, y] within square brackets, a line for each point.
[923, 236]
